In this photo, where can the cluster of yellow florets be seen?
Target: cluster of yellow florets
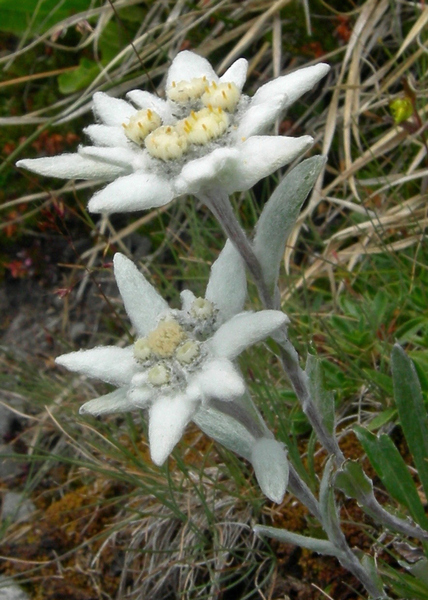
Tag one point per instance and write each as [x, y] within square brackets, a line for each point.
[167, 143]
[168, 342]
[183, 92]
[204, 125]
[221, 95]
[202, 308]
[170, 142]
[141, 124]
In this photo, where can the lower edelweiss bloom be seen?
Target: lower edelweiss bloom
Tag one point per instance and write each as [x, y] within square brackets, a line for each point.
[204, 135]
[180, 359]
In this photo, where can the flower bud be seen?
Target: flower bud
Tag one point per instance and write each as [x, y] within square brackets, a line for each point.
[183, 92]
[166, 143]
[221, 95]
[158, 375]
[140, 125]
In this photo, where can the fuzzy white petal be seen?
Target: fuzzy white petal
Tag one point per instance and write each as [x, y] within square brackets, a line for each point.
[142, 302]
[109, 363]
[187, 299]
[144, 100]
[217, 379]
[139, 380]
[71, 166]
[140, 396]
[243, 330]
[238, 168]
[292, 86]
[121, 157]
[114, 402]
[168, 418]
[138, 191]
[187, 66]
[198, 173]
[236, 73]
[225, 430]
[112, 111]
[259, 156]
[105, 135]
[259, 118]
[227, 286]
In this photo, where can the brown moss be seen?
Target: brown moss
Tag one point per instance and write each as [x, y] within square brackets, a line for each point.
[62, 543]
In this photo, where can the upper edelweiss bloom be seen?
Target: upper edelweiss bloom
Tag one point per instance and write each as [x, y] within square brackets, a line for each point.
[204, 135]
[180, 358]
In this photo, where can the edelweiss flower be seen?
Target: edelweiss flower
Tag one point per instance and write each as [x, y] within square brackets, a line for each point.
[203, 136]
[181, 358]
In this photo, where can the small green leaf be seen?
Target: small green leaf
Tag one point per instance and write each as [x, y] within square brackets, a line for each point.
[299, 424]
[380, 306]
[350, 307]
[279, 216]
[420, 360]
[132, 14]
[110, 42]
[16, 16]
[323, 399]
[403, 585]
[410, 327]
[352, 480]
[419, 570]
[382, 419]
[393, 472]
[411, 409]
[72, 81]
[401, 109]
[382, 380]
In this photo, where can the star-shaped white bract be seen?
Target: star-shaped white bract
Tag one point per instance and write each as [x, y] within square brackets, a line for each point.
[206, 134]
[181, 358]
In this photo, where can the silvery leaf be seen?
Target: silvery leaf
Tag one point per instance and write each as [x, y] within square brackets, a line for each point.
[280, 214]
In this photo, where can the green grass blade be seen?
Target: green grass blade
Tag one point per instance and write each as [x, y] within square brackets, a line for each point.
[411, 409]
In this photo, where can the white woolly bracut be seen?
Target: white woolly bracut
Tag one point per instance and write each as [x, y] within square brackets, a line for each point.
[205, 134]
[180, 359]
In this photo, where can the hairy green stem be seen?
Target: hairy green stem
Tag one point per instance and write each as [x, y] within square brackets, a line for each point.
[219, 204]
[290, 362]
[300, 490]
[380, 515]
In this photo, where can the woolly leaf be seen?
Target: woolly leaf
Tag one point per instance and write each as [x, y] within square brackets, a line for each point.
[288, 537]
[279, 216]
[352, 480]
